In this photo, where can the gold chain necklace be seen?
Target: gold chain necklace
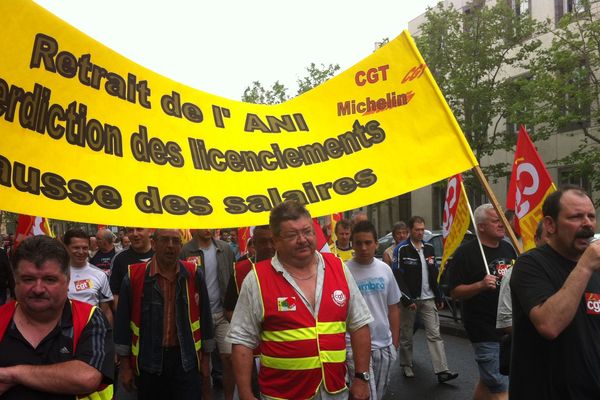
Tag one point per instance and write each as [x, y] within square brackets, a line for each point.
[302, 279]
[298, 278]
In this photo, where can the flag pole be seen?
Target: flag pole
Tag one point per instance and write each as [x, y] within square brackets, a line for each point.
[494, 201]
[487, 268]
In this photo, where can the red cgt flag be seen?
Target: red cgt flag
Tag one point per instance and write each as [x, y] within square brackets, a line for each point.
[530, 184]
[456, 219]
[28, 225]
[322, 244]
[243, 234]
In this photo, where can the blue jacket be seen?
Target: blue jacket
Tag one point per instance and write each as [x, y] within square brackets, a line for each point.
[151, 329]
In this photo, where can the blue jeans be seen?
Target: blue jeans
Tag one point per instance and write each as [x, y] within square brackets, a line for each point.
[487, 355]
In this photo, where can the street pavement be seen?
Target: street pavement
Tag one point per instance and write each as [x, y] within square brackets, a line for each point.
[424, 386]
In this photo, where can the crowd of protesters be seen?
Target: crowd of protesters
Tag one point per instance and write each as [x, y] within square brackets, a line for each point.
[174, 318]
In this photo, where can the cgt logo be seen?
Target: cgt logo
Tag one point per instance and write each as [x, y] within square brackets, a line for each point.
[83, 284]
[339, 298]
[592, 303]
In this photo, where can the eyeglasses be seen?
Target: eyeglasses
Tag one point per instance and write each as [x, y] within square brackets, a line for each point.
[175, 241]
[294, 236]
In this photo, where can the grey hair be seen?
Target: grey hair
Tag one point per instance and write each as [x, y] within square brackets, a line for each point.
[480, 212]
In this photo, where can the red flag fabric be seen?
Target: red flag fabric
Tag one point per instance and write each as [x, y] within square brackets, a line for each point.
[28, 225]
[186, 235]
[243, 234]
[322, 244]
[455, 220]
[530, 184]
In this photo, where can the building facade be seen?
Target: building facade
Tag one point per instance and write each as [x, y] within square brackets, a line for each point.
[428, 201]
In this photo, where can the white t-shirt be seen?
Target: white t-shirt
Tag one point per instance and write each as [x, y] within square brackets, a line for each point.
[90, 285]
[379, 289]
[212, 277]
[504, 315]
[426, 292]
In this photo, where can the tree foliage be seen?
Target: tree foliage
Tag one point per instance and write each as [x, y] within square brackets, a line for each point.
[256, 93]
[494, 66]
[469, 54]
[564, 87]
[316, 76]
[278, 93]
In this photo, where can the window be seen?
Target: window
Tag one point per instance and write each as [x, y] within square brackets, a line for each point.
[471, 14]
[574, 6]
[438, 198]
[521, 7]
[518, 104]
[569, 176]
[562, 7]
[575, 105]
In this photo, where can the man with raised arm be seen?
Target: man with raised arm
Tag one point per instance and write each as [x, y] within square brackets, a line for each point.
[556, 305]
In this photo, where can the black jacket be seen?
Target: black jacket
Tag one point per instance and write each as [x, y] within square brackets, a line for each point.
[406, 265]
[7, 282]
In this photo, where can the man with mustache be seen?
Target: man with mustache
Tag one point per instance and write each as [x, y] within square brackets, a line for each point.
[51, 348]
[298, 306]
[556, 305]
[163, 326]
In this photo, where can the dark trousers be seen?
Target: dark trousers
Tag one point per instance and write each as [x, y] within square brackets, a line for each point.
[173, 383]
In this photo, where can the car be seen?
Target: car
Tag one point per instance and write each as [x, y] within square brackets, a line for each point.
[435, 238]
[383, 243]
[387, 240]
[437, 241]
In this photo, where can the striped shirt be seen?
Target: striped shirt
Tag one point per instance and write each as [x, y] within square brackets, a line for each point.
[168, 287]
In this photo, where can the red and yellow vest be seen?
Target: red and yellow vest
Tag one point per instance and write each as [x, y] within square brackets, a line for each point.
[299, 352]
[81, 313]
[137, 274]
[240, 270]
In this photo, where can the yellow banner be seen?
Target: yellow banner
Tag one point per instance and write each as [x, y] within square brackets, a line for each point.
[87, 135]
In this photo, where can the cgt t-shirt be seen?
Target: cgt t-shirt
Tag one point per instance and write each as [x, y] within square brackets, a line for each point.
[567, 367]
[467, 267]
[89, 284]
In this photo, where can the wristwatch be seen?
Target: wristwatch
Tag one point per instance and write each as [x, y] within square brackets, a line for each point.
[362, 375]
